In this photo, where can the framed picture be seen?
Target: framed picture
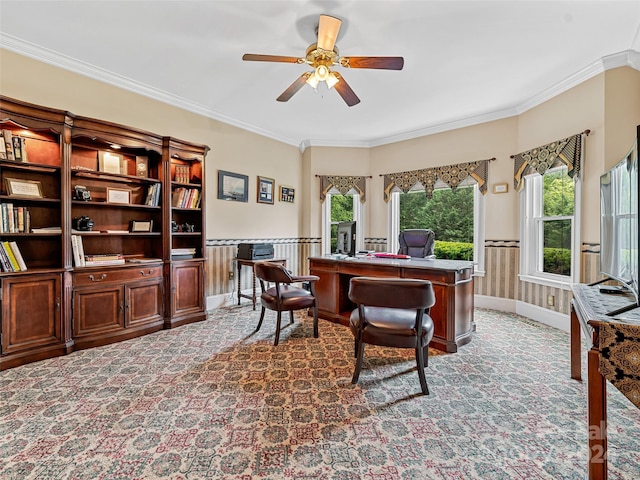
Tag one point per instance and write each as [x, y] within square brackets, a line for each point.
[110, 162]
[287, 194]
[141, 226]
[142, 166]
[500, 187]
[265, 189]
[17, 187]
[233, 186]
[116, 195]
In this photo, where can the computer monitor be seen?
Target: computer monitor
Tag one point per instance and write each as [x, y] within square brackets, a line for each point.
[347, 238]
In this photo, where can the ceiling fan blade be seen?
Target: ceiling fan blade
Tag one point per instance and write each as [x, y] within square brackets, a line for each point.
[384, 63]
[345, 91]
[328, 29]
[255, 57]
[294, 87]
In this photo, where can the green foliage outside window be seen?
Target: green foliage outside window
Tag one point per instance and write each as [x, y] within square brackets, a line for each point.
[341, 211]
[559, 192]
[449, 213]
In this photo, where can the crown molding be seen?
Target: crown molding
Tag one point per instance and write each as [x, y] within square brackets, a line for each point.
[628, 58]
[50, 57]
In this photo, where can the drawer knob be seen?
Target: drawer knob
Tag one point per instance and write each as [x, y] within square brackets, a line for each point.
[102, 277]
[146, 274]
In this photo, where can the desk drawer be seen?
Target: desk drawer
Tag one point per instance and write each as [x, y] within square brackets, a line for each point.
[116, 275]
[358, 269]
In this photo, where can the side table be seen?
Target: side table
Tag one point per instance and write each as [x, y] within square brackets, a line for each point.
[241, 262]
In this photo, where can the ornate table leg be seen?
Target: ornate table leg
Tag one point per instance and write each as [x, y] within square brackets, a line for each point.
[596, 417]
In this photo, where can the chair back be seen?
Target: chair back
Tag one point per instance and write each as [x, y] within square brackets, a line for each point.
[417, 243]
[272, 272]
[402, 293]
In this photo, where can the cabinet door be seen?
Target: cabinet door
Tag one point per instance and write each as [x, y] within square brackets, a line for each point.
[144, 302]
[30, 312]
[188, 288]
[98, 310]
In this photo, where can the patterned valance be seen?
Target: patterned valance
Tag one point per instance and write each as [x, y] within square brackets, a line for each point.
[344, 184]
[619, 346]
[540, 159]
[452, 175]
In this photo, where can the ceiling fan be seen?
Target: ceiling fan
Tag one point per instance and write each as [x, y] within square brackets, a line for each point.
[323, 55]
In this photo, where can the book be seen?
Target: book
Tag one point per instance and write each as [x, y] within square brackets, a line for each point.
[103, 257]
[44, 229]
[18, 255]
[8, 143]
[4, 259]
[3, 148]
[143, 260]
[96, 263]
[17, 148]
[75, 250]
[81, 251]
[12, 258]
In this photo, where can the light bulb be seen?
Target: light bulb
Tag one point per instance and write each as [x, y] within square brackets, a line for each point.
[322, 72]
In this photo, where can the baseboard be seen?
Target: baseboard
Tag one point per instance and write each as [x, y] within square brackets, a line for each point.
[225, 300]
[495, 303]
[557, 320]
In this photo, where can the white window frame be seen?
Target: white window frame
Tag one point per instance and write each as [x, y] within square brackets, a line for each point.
[531, 235]
[393, 227]
[358, 217]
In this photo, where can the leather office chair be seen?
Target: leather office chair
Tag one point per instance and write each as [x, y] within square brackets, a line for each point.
[392, 312]
[284, 296]
[417, 243]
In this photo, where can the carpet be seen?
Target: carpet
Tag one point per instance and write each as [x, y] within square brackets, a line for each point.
[213, 400]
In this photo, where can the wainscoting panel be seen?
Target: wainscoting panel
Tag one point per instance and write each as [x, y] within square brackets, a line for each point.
[500, 279]
[221, 254]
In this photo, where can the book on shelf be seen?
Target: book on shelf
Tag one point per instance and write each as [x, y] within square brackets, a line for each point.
[183, 251]
[8, 143]
[47, 230]
[78, 250]
[11, 259]
[16, 252]
[17, 148]
[98, 263]
[182, 174]
[153, 195]
[3, 148]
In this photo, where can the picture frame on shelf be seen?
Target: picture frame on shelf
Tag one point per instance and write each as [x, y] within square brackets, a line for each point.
[109, 162]
[142, 166]
[118, 195]
[287, 194]
[233, 186]
[265, 189]
[141, 226]
[18, 187]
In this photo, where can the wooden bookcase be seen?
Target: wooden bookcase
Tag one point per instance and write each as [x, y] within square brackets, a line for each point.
[127, 283]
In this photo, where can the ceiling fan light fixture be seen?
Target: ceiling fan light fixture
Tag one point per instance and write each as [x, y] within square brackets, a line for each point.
[313, 80]
[322, 73]
[332, 79]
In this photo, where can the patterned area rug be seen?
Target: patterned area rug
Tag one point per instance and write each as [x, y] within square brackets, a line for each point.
[213, 400]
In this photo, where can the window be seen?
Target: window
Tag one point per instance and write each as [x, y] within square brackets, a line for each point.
[340, 208]
[550, 243]
[455, 216]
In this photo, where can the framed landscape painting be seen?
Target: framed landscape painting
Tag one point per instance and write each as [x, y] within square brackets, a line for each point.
[233, 186]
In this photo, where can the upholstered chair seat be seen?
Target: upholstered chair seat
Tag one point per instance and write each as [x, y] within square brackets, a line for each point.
[283, 295]
[392, 312]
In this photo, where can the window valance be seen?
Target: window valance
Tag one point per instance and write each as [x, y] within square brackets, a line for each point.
[540, 159]
[344, 184]
[452, 175]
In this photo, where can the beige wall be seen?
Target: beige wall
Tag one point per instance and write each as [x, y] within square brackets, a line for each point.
[232, 149]
[479, 142]
[607, 104]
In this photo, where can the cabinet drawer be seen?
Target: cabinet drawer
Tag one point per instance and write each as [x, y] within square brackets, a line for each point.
[118, 275]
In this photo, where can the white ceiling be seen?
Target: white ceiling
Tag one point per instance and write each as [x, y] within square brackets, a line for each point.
[465, 61]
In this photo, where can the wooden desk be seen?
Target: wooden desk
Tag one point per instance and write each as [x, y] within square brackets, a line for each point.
[241, 262]
[452, 283]
[589, 310]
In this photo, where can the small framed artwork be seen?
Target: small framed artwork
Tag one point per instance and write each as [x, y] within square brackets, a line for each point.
[142, 166]
[17, 187]
[287, 194]
[233, 186]
[265, 189]
[110, 162]
[500, 187]
[117, 195]
[138, 226]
